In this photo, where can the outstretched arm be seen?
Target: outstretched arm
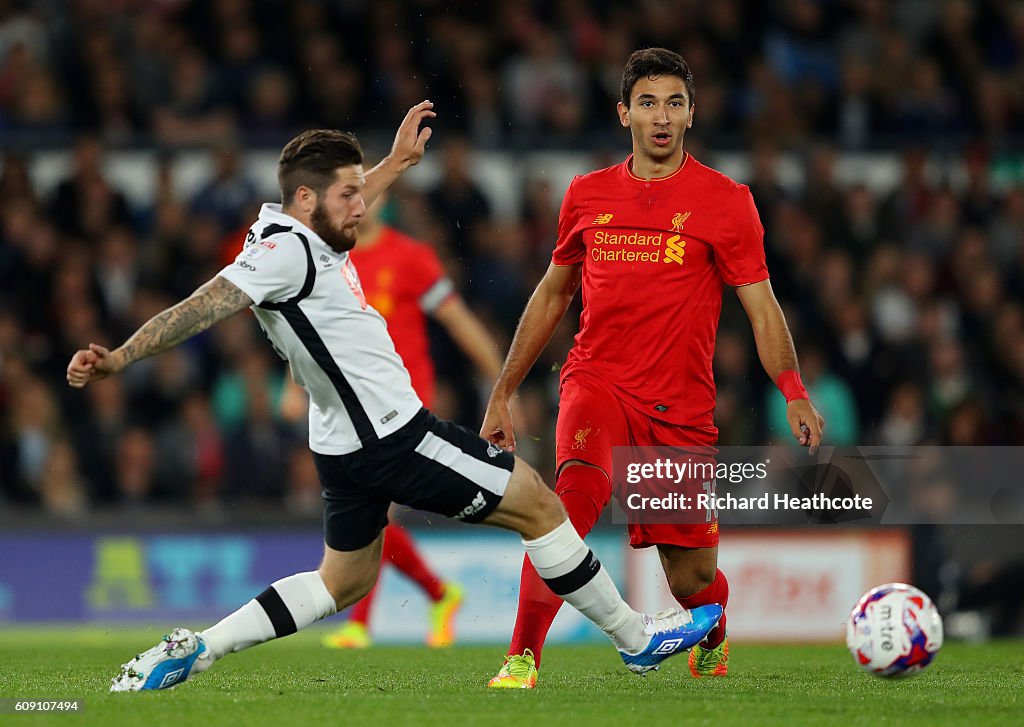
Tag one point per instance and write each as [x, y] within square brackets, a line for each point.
[212, 302]
[409, 147]
[546, 307]
[775, 349]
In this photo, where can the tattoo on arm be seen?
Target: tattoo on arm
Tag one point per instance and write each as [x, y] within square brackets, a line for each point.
[212, 302]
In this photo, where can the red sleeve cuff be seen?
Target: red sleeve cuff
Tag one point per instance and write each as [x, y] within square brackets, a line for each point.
[791, 386]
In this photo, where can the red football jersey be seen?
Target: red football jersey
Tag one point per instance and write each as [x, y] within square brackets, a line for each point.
[655, 255]
[403, 280]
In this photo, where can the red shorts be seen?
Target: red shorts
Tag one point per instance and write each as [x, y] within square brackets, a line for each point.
[592, 419]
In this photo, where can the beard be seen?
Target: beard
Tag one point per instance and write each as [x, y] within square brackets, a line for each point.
[340, 239]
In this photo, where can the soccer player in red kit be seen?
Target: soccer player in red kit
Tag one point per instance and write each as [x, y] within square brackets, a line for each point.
[405, 282]
[653, 240]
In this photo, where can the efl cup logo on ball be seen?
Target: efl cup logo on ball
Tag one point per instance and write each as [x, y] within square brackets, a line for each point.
[894, 630]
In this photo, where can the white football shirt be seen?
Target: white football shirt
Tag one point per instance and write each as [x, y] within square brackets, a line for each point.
[308, 300]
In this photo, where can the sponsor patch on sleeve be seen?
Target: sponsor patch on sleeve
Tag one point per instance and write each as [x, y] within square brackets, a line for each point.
[255, 251]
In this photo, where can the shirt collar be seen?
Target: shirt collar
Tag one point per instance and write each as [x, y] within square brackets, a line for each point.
[671, 179]
[272, 212]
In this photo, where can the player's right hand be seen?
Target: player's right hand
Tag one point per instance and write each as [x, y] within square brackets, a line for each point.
[91, 364]
[497, 427]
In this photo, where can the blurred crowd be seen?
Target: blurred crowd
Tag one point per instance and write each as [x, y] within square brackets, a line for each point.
[905, 303]
[510, 72]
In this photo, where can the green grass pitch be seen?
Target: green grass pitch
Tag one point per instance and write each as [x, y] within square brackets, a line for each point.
[295, 682]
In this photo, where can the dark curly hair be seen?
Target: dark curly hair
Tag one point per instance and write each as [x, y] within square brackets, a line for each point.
[312, 159]
[652, 63]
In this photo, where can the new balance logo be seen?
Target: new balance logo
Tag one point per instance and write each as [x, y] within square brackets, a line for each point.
[669, 647]
[478, 504]
[674, 250]
[172, 677]
[603, 219]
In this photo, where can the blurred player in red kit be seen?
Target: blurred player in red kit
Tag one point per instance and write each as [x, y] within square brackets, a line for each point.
[653, 240]
[403, 279]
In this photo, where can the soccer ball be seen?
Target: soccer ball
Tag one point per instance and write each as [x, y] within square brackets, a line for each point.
[894, 631]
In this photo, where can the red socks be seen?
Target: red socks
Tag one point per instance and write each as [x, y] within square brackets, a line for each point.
[584, 492]
[717, 592]
[400, 551]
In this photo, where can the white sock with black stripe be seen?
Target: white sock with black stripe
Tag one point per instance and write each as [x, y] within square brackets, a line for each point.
[288, 605]
[570, 569]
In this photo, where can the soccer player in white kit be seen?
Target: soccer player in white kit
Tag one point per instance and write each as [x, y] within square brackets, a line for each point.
[372, 440]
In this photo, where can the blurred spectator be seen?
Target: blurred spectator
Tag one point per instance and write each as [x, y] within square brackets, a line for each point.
[950, 381]
[135, 467]
[38, 108]
[230, 191]
[154, 38]
[495, 269]
[60, 488]
[857, 353]
[117, 273]
[303, 485]
[241, 62]
[268, 116]
[831, 395]
[456, 199]
[192, 456]
[857, 117]
[934, 235]
[331, 87]
[25, 28]
[991, 589]
[540, 220]
[736, 419]
[544, 90]
[96, 432]
[857, 227]
[822, 197]
[35, 429]
[161, 383]
[194, 112]
[257, 448]
[1006, 229]
[799, 47]
[926, 108]
[117, 118]
[978, 201]
[15, 184]
[765, 185]
[249, 365]
[85, 203]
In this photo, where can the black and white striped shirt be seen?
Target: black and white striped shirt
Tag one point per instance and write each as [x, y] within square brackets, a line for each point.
[309, 302]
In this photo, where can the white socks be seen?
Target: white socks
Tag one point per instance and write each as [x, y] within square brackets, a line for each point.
[561, 558]
[287, 606]
[570, 569]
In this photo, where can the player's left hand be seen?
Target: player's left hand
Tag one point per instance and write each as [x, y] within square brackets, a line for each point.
[806, 423]
[411, 140]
